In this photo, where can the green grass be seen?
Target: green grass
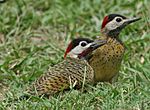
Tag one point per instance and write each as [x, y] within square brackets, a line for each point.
[34, 35]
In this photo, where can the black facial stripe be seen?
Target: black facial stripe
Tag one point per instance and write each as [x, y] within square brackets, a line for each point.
[112, 16]
[115, 31]
[76, 41]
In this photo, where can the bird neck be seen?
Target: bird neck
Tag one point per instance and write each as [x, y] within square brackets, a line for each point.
[110, 36]
[110, 33]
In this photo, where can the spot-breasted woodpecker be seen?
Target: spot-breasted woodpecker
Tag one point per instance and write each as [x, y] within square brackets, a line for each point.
[106, 59]
[73, 71]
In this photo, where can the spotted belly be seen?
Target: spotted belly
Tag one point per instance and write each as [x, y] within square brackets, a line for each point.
[106, 61]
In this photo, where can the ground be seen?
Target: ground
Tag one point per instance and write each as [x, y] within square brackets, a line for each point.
[34, 35]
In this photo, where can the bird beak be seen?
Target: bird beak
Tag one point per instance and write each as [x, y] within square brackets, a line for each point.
[131, 20]
[94, 45]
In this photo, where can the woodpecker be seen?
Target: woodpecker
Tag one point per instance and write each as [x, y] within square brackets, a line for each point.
[106, 59]
[69, 73]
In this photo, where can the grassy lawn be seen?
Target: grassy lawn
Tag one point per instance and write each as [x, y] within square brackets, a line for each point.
[34, 35]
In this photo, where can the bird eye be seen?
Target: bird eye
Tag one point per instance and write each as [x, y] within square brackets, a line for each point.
[83, 44]
[118, 19]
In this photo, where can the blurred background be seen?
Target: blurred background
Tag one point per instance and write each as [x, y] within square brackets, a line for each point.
[34, 35]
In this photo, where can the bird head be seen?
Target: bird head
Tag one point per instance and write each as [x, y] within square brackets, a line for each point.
[114, 23]
[80, 47]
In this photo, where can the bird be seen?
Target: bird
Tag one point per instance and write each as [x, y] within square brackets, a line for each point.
[106, 59]
[73, 71]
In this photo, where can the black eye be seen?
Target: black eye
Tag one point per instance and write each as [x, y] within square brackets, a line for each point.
[118, 19]
[83, 44]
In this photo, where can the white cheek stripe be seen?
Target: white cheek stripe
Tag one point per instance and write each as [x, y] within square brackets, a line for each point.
[77, 50]
[113, 24]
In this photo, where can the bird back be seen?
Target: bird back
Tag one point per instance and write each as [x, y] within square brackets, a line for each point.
[69, 73]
